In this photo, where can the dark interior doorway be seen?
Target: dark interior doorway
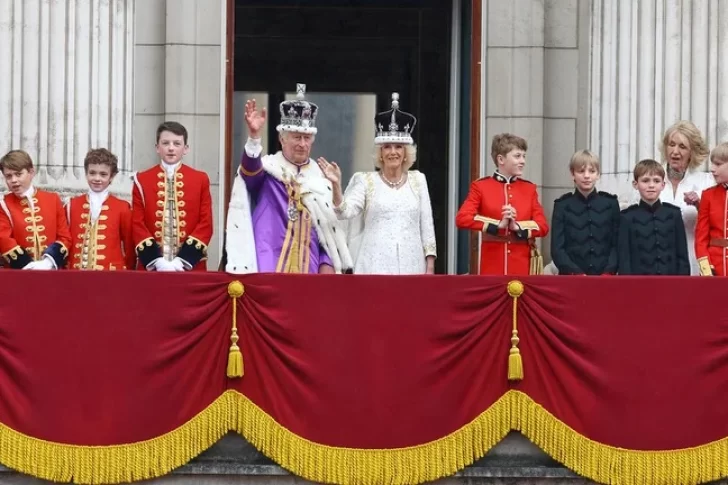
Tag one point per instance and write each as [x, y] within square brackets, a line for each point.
[352, 55]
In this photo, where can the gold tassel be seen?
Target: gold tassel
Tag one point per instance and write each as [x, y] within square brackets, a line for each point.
[515, 362]
[536, 260]
[235, 357]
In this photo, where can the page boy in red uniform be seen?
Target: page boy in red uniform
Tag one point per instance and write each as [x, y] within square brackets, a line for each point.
[506, 209]
[100, 223]
[33, 228]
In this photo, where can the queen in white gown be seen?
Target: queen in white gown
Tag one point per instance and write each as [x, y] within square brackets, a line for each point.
[391, 230]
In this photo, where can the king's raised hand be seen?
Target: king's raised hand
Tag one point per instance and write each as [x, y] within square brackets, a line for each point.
[254, 118]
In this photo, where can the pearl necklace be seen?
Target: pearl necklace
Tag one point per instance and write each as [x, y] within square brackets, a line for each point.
[390, 183]
[674, 174]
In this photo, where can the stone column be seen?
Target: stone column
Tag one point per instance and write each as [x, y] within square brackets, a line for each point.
[654, 62]
[67, 85]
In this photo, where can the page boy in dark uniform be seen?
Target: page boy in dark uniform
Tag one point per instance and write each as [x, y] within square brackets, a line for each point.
[652, 237]
[585, 223]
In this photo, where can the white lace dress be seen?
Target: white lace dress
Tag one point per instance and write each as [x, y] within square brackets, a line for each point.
[391, 231]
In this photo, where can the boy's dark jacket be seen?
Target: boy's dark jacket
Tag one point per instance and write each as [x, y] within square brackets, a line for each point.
[652, 240]
[584, 233]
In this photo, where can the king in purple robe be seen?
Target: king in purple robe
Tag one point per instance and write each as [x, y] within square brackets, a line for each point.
[281, 217]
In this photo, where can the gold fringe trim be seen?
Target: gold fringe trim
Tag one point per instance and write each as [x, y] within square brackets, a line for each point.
[610, 465]
[447, 455]
[117, 463]
[348, 466]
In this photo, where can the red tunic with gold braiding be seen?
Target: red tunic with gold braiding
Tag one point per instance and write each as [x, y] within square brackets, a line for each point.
[28, 234]
[191, 218]
[503, 252]
[104, 244]
[711, 232]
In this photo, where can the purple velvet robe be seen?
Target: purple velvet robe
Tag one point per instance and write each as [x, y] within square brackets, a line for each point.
[282, 245]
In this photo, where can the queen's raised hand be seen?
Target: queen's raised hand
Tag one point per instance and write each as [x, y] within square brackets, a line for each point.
[331, 170]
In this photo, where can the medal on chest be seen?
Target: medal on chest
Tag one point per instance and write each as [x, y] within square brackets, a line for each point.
[295, 206]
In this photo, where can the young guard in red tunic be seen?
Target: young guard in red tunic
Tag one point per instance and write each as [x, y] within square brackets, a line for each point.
[100, 223]
[711, 231]
[507, 211]
[172, 208]
[33, 228]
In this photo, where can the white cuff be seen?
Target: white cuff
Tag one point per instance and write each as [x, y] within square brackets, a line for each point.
[152, 266]
[53, 261]
[253, 147]
[186, 265]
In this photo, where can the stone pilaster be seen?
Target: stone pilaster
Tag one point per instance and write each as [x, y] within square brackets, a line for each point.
[515, 78]
[67, 86]
[565, 96]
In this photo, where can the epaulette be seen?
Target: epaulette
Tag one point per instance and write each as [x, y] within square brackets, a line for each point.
[527, 181]
[630, 208]
[484, 178]
[608, 194]
[565, 196]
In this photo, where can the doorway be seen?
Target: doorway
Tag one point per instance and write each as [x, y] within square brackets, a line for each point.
[351, 55]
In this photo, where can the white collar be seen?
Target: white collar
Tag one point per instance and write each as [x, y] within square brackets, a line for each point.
[96, 201]
[29, 193]
[170, 169]
[98, 197]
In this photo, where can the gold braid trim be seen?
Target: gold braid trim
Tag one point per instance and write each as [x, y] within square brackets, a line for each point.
[146, 242]
[348, 466]
[199, 245]
[14, 253]
[117, 463]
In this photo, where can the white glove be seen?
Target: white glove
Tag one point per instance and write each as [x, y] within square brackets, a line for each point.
[162, 264]
[44, 264]
[178, 264]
